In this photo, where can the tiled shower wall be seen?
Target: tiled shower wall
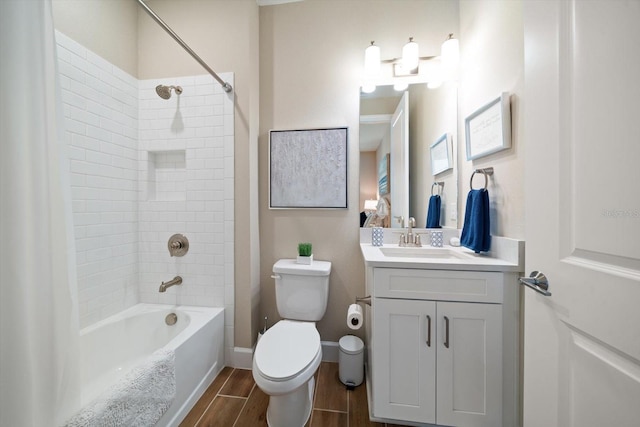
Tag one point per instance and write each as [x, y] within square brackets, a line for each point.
[186, 186]
[101, 122]
[142, 169]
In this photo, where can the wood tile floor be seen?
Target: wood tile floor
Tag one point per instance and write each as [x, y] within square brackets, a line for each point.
[233, 400]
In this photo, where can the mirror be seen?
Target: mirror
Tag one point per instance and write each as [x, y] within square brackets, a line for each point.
[392, 172]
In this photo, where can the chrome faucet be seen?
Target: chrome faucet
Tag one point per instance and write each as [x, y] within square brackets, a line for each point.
[410, 239]
[175, 281]
[412, 224]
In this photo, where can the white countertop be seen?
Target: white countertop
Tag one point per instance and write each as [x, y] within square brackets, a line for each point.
[506, 255]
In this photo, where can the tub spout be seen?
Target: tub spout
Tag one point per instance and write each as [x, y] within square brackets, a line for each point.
[175, 281]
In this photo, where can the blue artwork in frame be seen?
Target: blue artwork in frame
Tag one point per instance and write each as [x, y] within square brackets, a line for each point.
[383, 176]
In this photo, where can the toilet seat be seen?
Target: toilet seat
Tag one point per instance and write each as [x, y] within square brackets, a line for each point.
[287, 349]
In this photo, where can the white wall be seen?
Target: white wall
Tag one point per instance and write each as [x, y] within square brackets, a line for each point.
[491, 62]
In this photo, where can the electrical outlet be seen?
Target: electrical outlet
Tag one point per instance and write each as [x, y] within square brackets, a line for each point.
[453, 212]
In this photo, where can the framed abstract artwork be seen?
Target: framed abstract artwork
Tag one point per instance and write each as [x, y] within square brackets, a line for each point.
[308, 168]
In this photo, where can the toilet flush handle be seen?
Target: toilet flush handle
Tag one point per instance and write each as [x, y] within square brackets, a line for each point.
[275, 276]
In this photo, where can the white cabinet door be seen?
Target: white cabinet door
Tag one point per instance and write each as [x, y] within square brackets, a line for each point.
[469, 370]
[404, 360]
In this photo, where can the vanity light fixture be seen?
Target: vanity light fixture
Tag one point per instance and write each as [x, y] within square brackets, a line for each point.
[406, 70]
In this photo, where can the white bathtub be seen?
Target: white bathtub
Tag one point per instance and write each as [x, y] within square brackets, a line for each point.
[110, 348]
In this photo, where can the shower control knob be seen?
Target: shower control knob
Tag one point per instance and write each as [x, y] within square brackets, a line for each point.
[178, 245]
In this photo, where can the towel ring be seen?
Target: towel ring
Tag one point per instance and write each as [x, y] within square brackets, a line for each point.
[440, 185]
[486, 172]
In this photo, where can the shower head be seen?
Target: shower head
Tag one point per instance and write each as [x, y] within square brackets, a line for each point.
[164, 92]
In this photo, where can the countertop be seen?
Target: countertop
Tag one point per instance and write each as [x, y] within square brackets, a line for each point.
[507, 255]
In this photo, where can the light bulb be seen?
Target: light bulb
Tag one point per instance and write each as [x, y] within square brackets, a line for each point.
[450, 57]
[400, 86]
[368, 88]
[410, 55]
[372, 60]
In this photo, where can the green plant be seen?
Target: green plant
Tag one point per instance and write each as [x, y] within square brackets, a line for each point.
[304, 249]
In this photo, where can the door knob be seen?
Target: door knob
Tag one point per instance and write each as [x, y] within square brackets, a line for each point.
[538, 282]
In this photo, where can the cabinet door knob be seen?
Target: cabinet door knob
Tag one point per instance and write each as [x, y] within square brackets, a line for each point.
[428, 331]
[446, 331]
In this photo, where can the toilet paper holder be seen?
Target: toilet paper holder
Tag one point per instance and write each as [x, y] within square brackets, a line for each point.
[366, 300]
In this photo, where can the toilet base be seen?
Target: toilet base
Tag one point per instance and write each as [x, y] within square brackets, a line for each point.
[291, 409]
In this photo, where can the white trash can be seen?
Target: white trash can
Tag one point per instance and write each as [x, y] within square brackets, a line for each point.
[351, 360]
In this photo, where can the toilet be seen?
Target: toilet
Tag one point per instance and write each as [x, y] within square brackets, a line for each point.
[289, 353]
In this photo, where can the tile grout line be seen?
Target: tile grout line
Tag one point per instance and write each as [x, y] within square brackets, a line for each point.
[348, 401]
[246, 400]
[233, 396]
[315, 394]
[332, 410]
[214, 397]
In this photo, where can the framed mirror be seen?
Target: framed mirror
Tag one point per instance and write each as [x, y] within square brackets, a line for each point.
[431, 113]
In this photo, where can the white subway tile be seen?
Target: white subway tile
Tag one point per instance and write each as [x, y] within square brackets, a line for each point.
[99, 62]
[98, 133]
[98, 157]
[72, 72]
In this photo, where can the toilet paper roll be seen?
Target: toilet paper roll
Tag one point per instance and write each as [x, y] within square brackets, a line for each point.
[354, 316]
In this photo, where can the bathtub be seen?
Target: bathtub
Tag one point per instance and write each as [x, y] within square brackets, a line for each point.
[111, 347]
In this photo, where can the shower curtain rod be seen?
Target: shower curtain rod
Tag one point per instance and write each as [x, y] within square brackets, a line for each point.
[226, 86]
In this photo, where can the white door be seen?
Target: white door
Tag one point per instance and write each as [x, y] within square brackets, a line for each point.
[405, 360]
[400, 162]
[469, 364]
[582, 178]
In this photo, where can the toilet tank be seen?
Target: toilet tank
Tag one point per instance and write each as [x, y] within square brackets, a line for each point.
[302, 290]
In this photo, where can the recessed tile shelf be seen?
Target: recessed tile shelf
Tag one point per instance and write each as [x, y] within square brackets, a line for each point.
[167, 175]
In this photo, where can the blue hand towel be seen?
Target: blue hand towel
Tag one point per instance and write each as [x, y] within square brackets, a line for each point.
[475, 232]
[433, 212]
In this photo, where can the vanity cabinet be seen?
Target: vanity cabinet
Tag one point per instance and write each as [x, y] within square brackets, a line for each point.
[437, 347]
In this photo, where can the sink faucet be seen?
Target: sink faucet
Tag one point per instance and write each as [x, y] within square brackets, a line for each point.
[175, 281]
[410, 239]
[412, 224]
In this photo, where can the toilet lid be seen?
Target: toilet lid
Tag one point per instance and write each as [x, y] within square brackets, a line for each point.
[286, 349]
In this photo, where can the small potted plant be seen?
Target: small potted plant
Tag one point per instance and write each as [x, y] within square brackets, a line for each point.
[305, 254]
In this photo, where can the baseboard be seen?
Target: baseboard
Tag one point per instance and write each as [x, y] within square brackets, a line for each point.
[330, 351]
[242, 358]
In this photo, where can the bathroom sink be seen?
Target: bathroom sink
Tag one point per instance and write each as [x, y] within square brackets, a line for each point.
[434, 253]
